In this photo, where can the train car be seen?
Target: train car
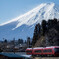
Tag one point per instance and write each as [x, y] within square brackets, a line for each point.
[51, 51]
[56, 51]
[29, 51]
[37, 51]
[43, 51]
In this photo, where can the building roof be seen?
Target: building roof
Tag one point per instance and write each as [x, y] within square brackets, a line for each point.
[11, 55]
[38, 48]
[53, 47]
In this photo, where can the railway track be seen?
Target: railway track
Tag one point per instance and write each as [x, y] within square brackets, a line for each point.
[46, 58]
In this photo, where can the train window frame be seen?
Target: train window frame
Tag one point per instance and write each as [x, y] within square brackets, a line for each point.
[37, 51]
[29, 51]
[55, 49]
[47, 50]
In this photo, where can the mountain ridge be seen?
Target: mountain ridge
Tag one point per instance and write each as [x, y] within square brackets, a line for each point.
[23, 26]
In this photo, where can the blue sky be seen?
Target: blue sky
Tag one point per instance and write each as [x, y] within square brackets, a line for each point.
[10, 9]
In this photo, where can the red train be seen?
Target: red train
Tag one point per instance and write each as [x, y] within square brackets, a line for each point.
[29, 51]
[43, 51]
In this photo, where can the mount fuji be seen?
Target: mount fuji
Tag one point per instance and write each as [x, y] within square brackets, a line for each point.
[23, 26]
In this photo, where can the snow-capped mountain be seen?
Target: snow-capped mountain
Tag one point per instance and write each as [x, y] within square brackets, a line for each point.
[23, 26]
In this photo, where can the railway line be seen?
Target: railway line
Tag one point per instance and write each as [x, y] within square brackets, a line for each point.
[46, 58]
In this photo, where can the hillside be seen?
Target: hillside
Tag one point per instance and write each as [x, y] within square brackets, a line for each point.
[40, 42]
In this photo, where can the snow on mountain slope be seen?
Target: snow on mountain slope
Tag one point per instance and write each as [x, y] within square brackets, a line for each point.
[23, 26]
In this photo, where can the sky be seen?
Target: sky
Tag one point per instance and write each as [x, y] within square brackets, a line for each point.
[10, 9]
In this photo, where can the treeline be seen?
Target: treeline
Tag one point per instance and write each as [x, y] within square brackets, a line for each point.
[50, 30]
[19, 41]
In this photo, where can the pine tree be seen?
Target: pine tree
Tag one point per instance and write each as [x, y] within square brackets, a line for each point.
[36, 33]
[44, 27]
[20, 41]
[53, 33]
[28, 42]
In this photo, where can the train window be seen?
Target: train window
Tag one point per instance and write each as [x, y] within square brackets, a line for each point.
[38, 51]
[48, 50]
[29, 51]
[56, 50]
